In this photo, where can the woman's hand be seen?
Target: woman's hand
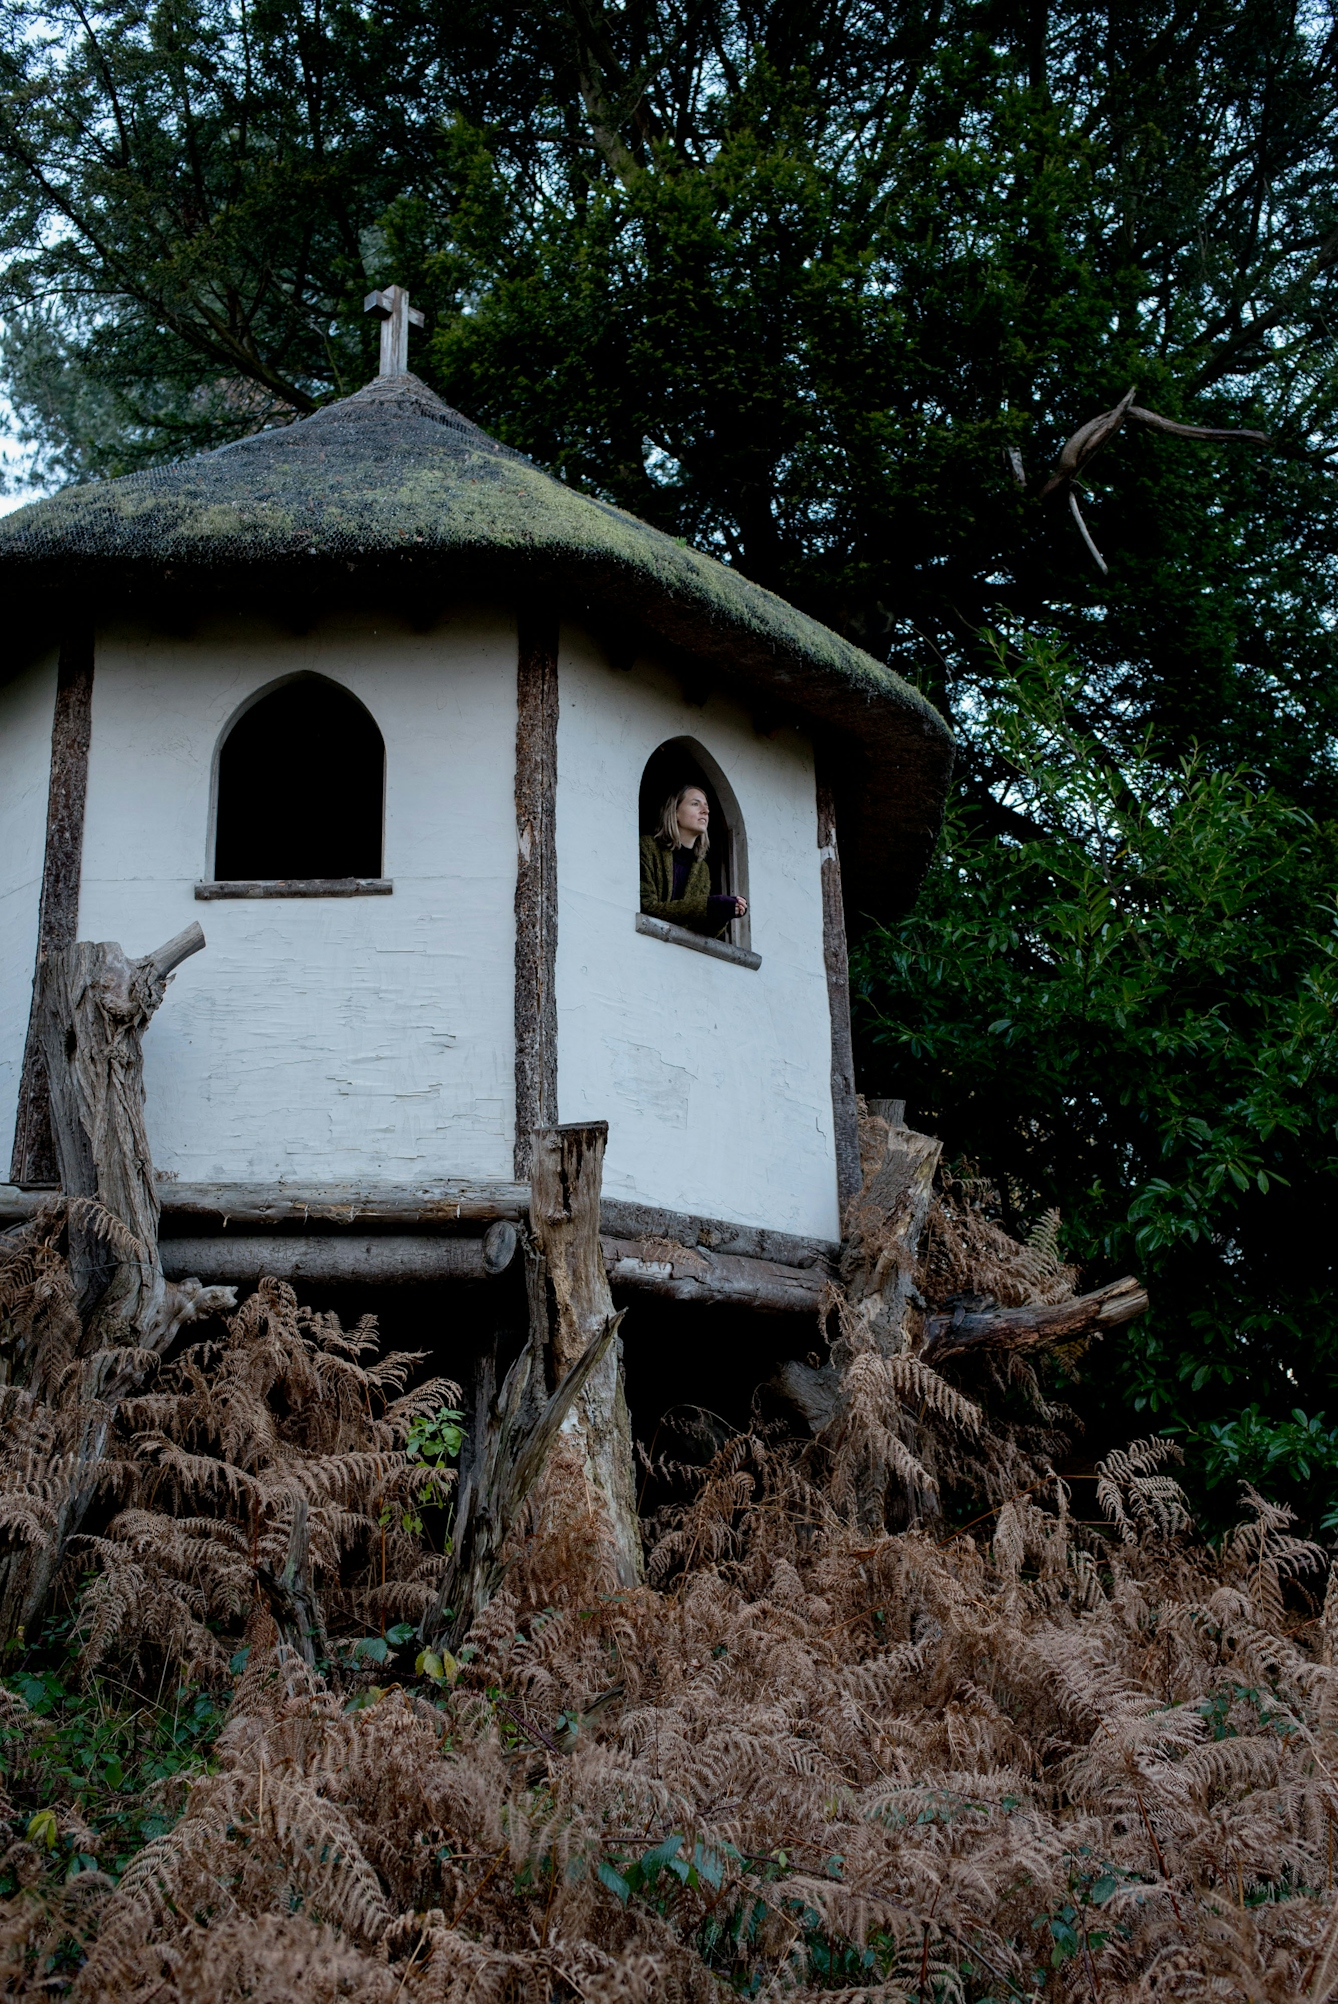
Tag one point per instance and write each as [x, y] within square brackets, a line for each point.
[740, 907]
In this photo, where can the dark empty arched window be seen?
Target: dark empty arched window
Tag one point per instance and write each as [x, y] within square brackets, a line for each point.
[301, 780]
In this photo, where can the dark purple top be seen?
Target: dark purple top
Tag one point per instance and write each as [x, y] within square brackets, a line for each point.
[719, 908]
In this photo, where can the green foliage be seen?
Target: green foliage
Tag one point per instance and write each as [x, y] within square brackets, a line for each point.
[675, 1875]
[1129, 1008]
[95, 1768]
[433, 1439]
[1298, 1456]
[1078, 1928]
[436, 1437]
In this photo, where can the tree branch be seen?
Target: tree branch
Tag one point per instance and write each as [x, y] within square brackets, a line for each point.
[1029, 1328]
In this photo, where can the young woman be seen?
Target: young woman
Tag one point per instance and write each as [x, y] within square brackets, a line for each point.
[675, 881]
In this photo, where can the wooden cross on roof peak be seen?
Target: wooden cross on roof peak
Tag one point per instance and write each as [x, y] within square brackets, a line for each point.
[393, 310]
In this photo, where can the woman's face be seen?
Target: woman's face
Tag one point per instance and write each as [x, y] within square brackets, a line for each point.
[694, 815]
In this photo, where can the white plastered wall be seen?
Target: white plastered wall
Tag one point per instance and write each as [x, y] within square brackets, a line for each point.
[319, 1040]
[715, 1079]
[27, 705]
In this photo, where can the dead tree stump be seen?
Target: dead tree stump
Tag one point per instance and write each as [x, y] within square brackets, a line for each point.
[866, 1406]
[885, 1224]
[526, 1437]
[92, 1006]
[877, 1306]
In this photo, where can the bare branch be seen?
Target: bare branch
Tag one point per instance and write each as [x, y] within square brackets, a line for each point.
[1086, 441]
[1086, 534]
[1158, 423]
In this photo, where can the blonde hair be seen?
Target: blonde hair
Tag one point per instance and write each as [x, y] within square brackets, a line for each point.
[668, 828]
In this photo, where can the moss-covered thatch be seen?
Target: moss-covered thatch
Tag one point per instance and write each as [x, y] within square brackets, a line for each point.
[391, 490]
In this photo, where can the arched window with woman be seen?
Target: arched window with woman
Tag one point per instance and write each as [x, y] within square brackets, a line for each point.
[694, 868]
[301, 788]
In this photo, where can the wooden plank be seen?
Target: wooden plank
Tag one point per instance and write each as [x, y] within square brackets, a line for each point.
[295, 887]
[338, 1262]
[34, 1156]
[836, 959]
[626, 1220]
[536, 881]
[679, 935]
[350, 1206]
[687, 1274]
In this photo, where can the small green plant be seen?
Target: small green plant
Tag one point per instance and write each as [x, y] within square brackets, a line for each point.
[434, 1439]
[90, 1768]
[1071, 1926]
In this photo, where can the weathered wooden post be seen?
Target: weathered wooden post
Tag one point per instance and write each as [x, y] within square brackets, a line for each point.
[856, 1404]
[566, 1176]
[884, 1226]
[866, 1405]
[92, 1006]
[526, 1435]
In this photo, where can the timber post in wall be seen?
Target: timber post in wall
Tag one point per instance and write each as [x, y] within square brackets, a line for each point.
[34, 1157]
[836, 959]
[536, 882]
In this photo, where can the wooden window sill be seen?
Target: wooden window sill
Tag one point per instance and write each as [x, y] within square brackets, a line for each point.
[678, 935]
[296, 887]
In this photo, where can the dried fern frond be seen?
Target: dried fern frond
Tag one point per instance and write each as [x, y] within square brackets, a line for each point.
[1137, 1497]
[817, 1757]
[966, 1251]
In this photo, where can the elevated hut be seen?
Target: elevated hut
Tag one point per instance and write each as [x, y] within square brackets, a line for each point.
[388, 708]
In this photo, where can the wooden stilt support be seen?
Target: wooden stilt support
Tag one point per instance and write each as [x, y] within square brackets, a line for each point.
[93, 1007]
[886, 1222]
[835, 953]
[566, 1172]
[523, 1433]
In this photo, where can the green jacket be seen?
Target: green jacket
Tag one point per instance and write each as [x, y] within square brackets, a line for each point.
[657, 884]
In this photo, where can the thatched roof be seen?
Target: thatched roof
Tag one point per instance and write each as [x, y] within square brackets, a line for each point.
[391, 487]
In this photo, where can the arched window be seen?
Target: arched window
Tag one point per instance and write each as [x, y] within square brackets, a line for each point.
[301, 787]
[683, 762]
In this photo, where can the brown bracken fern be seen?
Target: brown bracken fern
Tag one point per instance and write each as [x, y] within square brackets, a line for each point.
[1028, 1758]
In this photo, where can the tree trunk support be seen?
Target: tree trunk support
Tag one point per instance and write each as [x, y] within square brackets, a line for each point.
[573, 1343]
[566, 1173]
[886, 1223]
[93, 1006]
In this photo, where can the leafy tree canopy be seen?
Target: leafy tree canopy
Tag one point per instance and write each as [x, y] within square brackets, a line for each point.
[790, 279]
